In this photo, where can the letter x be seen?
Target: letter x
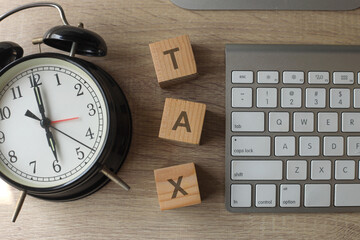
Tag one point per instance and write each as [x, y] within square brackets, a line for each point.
[177, 187]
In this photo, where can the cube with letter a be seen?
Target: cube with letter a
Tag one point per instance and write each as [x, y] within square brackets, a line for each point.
[182, 121]
[177, 186]
[173, 60]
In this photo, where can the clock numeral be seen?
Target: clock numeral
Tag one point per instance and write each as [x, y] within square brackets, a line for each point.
[5, 113]
[2, 137]
[13, 157]
[56, 166]
[35, 78]
[80, 154]
[78, 87]
[16, 92]
[33, 162]
[57, 79]
[91, 108]
[89, 134]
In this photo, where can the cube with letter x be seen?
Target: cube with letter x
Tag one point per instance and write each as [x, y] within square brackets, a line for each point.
[173, 60]
[182, 120]
[177, 186]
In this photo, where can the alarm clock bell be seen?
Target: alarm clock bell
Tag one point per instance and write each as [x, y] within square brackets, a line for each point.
[9, 51]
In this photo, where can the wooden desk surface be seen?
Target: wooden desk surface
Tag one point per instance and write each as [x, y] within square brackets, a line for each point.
[128, 26]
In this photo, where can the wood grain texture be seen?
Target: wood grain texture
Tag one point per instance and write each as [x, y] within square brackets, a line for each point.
[174, 60]
[182, 191]
[182, 121]
[128, 26]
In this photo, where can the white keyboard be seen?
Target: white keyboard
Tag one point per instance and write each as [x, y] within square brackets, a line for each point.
[292, 128]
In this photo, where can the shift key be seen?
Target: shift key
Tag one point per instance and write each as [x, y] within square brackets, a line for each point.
[256, 170]
[250, 146]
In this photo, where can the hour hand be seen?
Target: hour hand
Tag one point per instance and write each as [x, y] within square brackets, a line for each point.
[39, 100]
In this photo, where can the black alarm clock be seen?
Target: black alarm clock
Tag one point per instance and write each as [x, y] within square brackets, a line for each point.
[65, 124]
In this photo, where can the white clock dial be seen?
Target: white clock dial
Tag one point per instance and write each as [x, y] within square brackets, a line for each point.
[78, 112]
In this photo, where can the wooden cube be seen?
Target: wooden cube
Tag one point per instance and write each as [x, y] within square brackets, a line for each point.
[173, 60]
[182, 121]
[177, 186]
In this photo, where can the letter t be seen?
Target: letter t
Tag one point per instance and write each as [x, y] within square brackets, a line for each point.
[172, 55]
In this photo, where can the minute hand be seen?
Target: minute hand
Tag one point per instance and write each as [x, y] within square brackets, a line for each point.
[51, 142]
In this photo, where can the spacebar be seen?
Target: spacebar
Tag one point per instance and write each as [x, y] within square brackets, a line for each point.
[347, 195]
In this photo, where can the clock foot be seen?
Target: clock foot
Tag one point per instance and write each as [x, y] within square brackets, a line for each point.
[113, 177]
[19, 205]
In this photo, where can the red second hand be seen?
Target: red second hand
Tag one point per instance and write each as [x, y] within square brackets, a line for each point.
[64, 120]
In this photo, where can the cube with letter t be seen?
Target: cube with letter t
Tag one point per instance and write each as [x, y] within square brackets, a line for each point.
[173, 60]
[182, 120]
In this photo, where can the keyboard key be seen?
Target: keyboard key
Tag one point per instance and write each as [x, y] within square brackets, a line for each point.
[291, 97]
[248, 121]
[269, 77]
[350, 122]
[285, 146]
[266, 98]
[250, 146]
[296, 170]
[240, 195]
[315, 98]
[343, 77]
[344, 169]
[241, 97]
[278, 121]
[327, 122]
[309, 146]
[347, 195]
[256, 170]
[318, 77]
[265, 195]
[293, 77]
[357, 98]
[317, 195]
[242, 77]
[303, 122]
[353, 146]
[289, 195]
[320, 170]
[339, 98]
[333, 146]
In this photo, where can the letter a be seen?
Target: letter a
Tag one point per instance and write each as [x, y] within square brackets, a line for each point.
[186, 123]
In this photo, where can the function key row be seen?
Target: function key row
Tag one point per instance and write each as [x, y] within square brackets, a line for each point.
[294, 77]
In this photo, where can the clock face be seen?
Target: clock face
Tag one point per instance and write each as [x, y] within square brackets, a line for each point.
[54, 122]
